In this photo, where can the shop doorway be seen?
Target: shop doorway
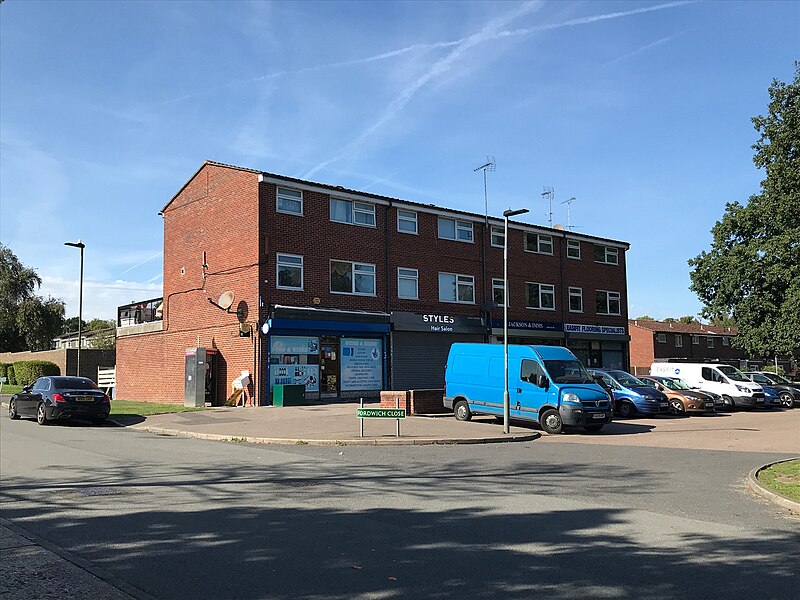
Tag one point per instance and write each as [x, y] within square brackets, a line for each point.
[329, 367]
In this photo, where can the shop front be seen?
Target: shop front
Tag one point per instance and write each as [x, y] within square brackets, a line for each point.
[334, 354]
[420, 343]
[529, 333]
[598, 346]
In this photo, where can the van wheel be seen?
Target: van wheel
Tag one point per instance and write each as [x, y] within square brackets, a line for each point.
[627, 410]
[550, 421]
[461, 411]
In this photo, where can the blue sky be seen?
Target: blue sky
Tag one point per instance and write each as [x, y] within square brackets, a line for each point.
[639, 110]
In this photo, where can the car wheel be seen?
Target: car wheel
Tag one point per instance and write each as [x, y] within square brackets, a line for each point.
[461, 411]
[787, 400]
[593, 428]
[627, 410]
[676, 407]
[41, 414]
[12, 410]
[729, 401]
[550, 421]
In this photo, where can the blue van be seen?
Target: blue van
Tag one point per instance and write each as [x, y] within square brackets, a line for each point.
[632, 395]
[546, 384]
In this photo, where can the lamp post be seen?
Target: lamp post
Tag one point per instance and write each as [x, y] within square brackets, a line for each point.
[506, 215]
[81, 245]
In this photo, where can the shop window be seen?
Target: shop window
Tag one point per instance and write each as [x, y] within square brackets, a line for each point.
[294, 361]
[536, 242]
[355, 213]
[498, 237]
[406, 221]
[608, 303]
[678, 341]
[498, 291]
[407, 284]
[352, 278]
[541, 296]
[456, 288]
[606, 254]
[575, 300]
[452, 229]
[289, 201]
[573, 249]
[290, 272]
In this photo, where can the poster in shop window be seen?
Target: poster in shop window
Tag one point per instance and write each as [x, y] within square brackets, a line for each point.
[362, 364]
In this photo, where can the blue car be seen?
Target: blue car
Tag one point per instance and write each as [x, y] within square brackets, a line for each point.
[772, 397]
[631, 395]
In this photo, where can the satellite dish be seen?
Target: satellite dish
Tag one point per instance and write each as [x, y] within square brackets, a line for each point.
[559, 226]
[225, 300]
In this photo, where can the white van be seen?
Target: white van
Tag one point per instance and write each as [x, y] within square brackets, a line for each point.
[735, 388]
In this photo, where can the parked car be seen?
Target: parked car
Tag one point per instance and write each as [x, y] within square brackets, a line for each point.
[719, 403]
[547, 384]
[60, 398]
[772, 398]
[789, 392]
[682, 399]
[632, 395]
[736, 390]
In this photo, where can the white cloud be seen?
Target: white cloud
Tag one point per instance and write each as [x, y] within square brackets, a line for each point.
[100, 299]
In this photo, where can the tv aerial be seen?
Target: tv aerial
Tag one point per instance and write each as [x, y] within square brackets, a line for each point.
[549, 193]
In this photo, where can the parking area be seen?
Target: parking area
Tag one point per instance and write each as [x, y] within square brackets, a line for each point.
[745, 431]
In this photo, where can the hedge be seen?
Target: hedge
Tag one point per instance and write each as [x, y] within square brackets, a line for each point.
[27, 371]
[12, 378]
[4, 369]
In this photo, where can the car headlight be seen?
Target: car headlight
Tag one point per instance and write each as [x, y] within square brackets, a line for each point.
[741, 388]
[571, 398]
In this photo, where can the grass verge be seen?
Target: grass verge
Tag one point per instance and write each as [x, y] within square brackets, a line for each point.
[783, 478]
[129, 407]
[11, 389]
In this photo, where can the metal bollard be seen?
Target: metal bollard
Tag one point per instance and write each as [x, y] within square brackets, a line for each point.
[397, 405]
[361, 421]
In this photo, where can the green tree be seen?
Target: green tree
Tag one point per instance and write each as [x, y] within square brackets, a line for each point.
[39, 320]
[752, 272]
[105, 333]
[17, 283]
[645, 318]
[71, 325]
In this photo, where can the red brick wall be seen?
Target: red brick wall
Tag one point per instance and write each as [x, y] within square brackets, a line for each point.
[646, 349]
[416, 402]
[641, 347]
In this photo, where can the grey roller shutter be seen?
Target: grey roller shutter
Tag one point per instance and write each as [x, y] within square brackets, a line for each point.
[419, 359]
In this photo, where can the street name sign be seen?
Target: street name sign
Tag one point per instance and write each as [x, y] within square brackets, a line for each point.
[381, 413]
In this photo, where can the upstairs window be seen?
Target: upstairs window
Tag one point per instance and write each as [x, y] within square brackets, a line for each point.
[452, 229]
[289, 201]
[536, 242]
[608, 304]
[352, 278]
[456, 288]
[541, 296]
[575, 300]
[355, 213]
[498, 291]
[573, 249]
[498, 237]
[407, 283]
[606, 254]
[290, 272]
[406, 221]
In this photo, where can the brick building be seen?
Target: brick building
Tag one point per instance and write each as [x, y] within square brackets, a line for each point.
[653, 341]
[349, 293]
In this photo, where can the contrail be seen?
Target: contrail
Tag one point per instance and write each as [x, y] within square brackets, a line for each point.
[644, 48]
[145, 261]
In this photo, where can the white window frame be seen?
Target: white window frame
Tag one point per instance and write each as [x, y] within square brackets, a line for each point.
[575, 292]
[608, 294]
[695, 340]
[539, 238]
[552, 291]
[458, 226]
[407, 216]
[499, 231]
[608, 252]
[354, 267]
[460, 279]
[278, 266]
[574, 245]
[709, 342]
[678, 340]
[408, 276]
[726, 341]
[356, 207]
[661, 338]
[279, 196]
[498, 283]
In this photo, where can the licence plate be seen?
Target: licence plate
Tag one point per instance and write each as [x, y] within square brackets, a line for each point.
[664, 405]
[85, 398]
[598, 416]
[709, 405]
[759, 401]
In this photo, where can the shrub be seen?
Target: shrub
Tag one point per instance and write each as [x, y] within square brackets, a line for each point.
[772, 369]
[12, 379]
[4, 369]
[27, 371]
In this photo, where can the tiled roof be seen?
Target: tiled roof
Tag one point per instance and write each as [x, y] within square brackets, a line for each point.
[692, 328]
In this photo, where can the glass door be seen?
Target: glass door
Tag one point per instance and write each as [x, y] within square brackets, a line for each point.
[329, 366]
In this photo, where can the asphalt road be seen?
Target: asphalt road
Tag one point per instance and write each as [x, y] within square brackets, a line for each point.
[163, 517]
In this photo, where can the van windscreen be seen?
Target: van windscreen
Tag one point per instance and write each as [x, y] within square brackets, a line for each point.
[567, 371]
[732, 373]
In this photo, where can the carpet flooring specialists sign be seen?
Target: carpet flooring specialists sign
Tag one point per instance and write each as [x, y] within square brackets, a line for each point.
[596, 329]
[361, 364]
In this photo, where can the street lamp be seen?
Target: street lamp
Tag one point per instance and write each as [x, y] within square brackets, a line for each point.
[81, 245]
[506, 215]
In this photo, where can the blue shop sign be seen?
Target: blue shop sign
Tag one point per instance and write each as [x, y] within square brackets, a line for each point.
[528, 325]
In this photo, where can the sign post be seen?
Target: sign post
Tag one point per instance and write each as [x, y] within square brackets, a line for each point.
[379, 413]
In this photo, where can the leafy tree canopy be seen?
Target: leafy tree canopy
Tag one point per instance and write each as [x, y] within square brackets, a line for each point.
[752, 271]
[105, 333]
[645, 318]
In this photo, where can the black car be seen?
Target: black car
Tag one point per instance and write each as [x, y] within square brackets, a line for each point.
[789, 392]
[60, 398]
